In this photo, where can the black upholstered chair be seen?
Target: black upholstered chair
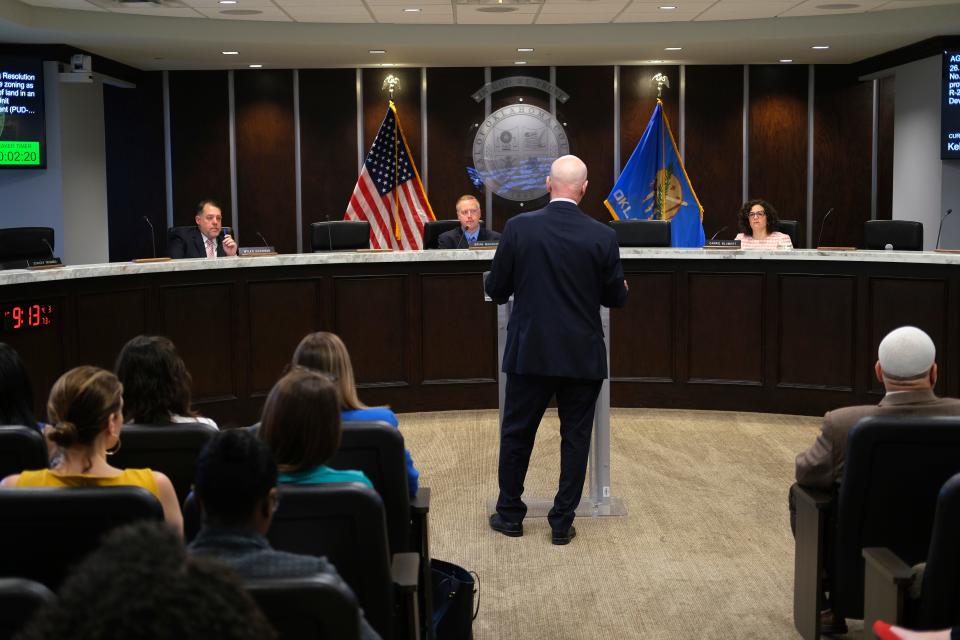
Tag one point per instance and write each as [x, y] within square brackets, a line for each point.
[35, 522]
[903, 235]
[893, 472]
[19, 600]
[316, 607]
[21, 448]
[19, 244]
[433, 229]
[169, 448]
[790, 227]
[642, 233]
[888, 578]
[339, 235]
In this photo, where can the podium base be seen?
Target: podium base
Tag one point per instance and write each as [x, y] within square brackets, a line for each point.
[538, 507]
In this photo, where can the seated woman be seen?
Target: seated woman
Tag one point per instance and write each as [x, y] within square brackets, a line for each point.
[16, 393]
[301, 426]
[759, 226]
[86, 411]
[156, 383]
[324, 351]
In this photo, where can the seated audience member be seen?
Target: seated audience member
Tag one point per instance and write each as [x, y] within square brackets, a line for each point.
[156, 383]
[907, 369]
[325, 352]
[300, 424]
[86, 412]
[236, 487]
[140, 584]
[204, 241]
[759, 227]
[469, 231]
[885, 631]
[16, 392]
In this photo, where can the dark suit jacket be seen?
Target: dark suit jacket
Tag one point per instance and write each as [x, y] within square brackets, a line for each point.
[454, 238]
[821, 466]
[186, 242]
[561, 266]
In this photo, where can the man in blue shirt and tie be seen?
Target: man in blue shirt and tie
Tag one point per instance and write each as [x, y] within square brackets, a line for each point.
[469, 231]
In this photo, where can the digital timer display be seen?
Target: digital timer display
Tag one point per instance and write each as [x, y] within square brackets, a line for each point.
[21, 317]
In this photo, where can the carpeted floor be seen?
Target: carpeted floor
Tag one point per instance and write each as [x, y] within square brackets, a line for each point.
[705, 550]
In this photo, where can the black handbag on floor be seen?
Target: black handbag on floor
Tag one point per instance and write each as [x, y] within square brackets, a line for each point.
[453, 595]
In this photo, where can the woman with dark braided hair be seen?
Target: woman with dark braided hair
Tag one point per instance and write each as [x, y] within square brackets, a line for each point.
[85, 409]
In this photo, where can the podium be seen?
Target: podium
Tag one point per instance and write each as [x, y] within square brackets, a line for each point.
[599, 500]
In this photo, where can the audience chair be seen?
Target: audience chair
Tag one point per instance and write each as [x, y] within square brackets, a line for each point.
[316, 607]
[433, 229]
[903, 235]
[893, 472]
[20, 244]
[789, 227]
[339, 235]
[52, 529]
[642, 233]
[21, 449]
[19, 599]
[888, 578]
[168, 448]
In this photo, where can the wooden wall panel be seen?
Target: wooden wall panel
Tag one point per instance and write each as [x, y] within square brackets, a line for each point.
[199, 142]
[885, 120]
[817, 344]
[136, 171]
[453, 118]
[843, 137]
[459, 329]
[895, 302]
[376, 357]
[328, 144]
[714, 143]
[726, 327]
[201, 321]
[106, 321]
[638, 97]
[266, 186]
[778, 138]
[645, 329]
[588, 118]
[407, 100]
[281, 314]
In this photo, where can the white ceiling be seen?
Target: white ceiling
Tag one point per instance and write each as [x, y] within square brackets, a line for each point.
[190, 34]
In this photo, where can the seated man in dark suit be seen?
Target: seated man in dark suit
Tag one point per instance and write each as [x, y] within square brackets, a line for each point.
[907, 370]
[469, 231]
[236, 487]
[204, 241]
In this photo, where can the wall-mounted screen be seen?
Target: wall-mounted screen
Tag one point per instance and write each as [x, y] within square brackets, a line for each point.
[950, 107]
[22, 125]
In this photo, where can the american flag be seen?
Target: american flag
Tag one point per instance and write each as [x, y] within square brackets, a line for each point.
[389, 194]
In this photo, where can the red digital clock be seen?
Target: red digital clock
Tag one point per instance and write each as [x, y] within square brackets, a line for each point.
[20, 317]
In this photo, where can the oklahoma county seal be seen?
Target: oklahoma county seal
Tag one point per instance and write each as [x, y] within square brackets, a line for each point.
[513, 150]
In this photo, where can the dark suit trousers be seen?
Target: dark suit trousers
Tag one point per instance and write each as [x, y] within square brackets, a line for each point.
[526, 399]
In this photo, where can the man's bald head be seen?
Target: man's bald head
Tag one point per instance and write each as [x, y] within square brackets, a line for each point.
[568, 178]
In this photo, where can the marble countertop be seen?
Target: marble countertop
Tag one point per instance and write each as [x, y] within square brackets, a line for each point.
[71, 272]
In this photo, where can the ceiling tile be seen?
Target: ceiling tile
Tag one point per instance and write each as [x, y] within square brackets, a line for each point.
[746, 9]
[428, 14]
[267, 14]
[812, 7]
[468, 14]
[81, 5]
[911, 4]
[355, 15]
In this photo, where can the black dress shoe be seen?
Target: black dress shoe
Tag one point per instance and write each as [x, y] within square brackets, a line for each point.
[512, 529]
[563, 537]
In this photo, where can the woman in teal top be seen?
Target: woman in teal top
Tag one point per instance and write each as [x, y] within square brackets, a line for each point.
[301, 425]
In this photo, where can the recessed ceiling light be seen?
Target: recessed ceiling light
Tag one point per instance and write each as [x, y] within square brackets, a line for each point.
[654, 61]
[524, 49]
[228, 1]
[412, 10]
[256, 66]
[386, 64]
[519, 62]
[668, 7]
[377, 51]
[241, 12]
[673, 49]
[786, 59]
[820, 47]
[230, 53]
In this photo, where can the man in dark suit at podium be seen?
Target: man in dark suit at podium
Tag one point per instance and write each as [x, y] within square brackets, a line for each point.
[469, 231]
[204, 240]
[560, 266]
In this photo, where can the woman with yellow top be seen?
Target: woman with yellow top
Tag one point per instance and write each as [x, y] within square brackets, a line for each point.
[85, 409]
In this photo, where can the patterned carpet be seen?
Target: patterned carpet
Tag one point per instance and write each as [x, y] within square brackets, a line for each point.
[705, 550]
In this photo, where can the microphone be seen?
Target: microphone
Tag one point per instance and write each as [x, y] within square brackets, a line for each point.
[153, 235]
[265, 243]
[49, 246]
[463, 234]
[714, 236]
[326, 217]
[942, 218]
[823, 224]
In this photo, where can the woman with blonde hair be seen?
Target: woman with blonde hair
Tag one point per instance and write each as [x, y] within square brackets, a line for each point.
[325, 352]
[85, 410]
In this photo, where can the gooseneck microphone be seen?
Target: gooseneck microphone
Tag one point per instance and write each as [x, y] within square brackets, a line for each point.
[49, 247]
[942, 218]
[463, 234]
[326, 217]
[714, 236]
[823, 223]
[265, 243]
[153, 235]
